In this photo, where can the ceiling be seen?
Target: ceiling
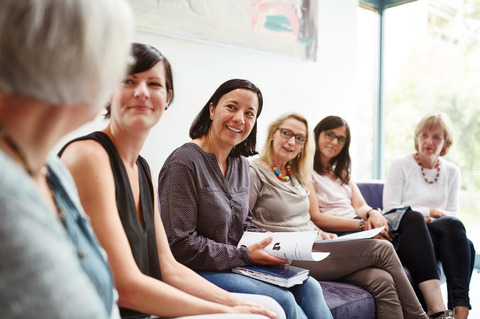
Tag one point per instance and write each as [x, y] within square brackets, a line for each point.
[380, 5]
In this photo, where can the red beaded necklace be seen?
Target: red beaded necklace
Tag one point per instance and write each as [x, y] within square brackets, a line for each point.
[285, 178]
[417, 158]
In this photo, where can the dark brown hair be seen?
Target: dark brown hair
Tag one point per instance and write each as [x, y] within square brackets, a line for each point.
[146, 56]
[201, 124]
[340, 165]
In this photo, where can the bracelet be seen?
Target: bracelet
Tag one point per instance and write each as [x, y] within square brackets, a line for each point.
[368, 213]
[361, 227]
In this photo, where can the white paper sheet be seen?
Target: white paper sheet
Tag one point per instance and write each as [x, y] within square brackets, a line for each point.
[357, 235]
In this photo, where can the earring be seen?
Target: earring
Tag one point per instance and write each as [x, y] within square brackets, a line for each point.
[211, 117]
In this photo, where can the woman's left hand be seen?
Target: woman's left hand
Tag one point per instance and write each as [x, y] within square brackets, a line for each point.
[377, 220]
[437, 212]
[326, 236]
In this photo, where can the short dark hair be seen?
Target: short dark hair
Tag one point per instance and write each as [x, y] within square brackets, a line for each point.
[146, 56]
[201, 124]
[341, 164]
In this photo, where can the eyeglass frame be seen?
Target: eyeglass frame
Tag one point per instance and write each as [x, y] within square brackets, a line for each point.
[340, 139]
[281, 129]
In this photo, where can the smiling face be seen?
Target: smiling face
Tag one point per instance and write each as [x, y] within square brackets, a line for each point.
[286, 149]
[331, 148]
[431, 142]
[140, 100]
[233, 117]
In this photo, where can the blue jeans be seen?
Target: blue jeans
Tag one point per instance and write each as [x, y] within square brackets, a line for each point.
[300, 301]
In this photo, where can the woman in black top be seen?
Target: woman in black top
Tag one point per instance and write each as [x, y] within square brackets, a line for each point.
[117, 192]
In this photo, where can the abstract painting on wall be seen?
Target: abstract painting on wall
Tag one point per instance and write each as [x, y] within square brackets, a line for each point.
[285, 27]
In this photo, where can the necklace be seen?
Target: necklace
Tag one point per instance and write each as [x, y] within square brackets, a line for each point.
[417, 158]
[280, 176]
[17, 149]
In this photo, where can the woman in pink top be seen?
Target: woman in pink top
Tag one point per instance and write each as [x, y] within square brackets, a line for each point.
[341, 208]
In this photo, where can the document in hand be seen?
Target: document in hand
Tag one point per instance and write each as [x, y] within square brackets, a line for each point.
[356, 235]
[287, 245]
[280, 275]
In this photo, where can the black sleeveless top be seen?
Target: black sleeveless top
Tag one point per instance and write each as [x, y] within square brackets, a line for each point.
[142, 240]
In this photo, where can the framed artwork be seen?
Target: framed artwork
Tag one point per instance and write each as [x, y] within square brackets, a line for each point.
[285, 27]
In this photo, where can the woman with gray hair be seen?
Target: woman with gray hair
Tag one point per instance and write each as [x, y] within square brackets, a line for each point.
[56, 70]
[421, 199]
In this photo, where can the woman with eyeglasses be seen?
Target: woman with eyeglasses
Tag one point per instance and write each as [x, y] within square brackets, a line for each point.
[279, 200]
[423, 188]
[338, 206]
[203, 191]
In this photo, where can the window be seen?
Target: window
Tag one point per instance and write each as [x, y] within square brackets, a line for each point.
[432, 62]
[367, 92]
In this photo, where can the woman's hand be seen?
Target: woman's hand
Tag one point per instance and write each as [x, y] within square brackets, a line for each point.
[259, 256]
[245, 306]
[437, 212]
[376, 220]
[325, 235]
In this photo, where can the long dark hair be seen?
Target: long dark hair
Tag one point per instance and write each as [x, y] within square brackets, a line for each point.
[201, 124]
[146, 56]
[340, 165]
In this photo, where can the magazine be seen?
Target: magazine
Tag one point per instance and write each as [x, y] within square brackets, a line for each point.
[287, 245]
[280, 275]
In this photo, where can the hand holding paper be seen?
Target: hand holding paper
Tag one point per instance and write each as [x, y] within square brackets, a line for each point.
[287, 245]
[259, 256]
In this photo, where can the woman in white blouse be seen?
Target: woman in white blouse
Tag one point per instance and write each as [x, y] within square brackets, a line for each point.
[427, 185]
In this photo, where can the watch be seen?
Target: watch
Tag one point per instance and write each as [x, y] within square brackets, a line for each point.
[368, 213]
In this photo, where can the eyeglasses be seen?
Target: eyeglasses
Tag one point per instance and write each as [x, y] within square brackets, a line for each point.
[331, 136]
[287, 134]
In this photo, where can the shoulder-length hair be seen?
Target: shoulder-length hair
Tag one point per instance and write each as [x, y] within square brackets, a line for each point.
[434, 120]
[301, 165]
[145, 57]
[202, 123]
[340, 165]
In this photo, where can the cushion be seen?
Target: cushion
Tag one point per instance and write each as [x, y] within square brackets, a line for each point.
[372, 192]
[348, 301]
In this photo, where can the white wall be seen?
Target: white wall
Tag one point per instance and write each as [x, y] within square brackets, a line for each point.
[314, 89]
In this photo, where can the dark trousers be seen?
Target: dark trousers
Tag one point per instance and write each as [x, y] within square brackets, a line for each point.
[421, 245]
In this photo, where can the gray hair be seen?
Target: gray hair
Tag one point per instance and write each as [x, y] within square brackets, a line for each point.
[64, 52]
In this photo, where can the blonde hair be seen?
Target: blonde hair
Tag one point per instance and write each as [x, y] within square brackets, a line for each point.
[434, 120]
[302, 165]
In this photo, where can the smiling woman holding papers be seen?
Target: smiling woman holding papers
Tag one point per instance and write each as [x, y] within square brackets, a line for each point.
[203, 191]
[279, 201]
